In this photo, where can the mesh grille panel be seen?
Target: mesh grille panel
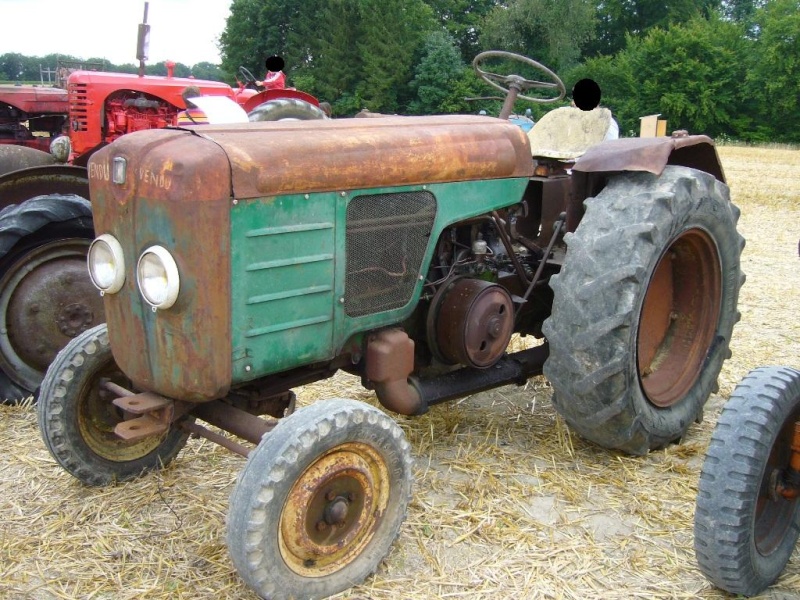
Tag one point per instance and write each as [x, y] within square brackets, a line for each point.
[387, 235]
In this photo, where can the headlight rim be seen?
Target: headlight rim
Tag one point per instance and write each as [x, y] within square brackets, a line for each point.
[117, 254]
[170, 267]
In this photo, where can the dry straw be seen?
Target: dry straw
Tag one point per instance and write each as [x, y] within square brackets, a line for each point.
[508, 502]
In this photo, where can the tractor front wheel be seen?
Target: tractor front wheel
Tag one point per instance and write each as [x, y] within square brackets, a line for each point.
[644, 308]
[77, 417]
[320, 501]
[745, 529]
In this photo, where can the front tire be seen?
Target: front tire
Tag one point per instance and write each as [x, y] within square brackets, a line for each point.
[644, 308]
[77, 419]
[320, 501]
[744, 531]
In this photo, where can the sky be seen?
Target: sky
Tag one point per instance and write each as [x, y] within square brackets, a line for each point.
[184, 31]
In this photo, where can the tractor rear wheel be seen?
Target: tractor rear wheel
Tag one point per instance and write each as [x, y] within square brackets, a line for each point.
[644, 308]
[745, 530]
[46, 295]
[286, 109]
[77, 417]
[320, 501]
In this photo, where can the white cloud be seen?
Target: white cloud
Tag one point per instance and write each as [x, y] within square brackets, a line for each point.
[185, 31]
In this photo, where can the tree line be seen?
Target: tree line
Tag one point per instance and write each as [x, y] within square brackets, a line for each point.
[727, 68]
[16, 67]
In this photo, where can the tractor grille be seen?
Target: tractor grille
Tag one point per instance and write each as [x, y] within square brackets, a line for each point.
[387, 235]
[78, 106]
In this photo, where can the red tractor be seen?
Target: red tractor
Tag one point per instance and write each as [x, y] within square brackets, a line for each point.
[46, 296]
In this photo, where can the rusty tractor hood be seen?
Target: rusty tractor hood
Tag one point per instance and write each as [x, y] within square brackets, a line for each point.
[182, 184]
[285, 157]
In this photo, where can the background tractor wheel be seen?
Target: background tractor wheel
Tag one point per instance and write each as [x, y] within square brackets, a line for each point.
[744, 530]
[46, 295]
[291, 109]
[320, 501]
[644, 307]
[77, 419]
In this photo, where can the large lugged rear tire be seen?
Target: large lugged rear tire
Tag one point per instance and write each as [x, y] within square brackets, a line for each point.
[320, 501]
[289, 109]
[744, 531]
[77, 418]
[644, 308]
[46, 295]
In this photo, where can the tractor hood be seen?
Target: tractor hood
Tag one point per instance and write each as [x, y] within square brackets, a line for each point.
[286, 157]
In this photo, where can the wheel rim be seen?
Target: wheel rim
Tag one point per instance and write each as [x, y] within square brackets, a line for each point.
[679, 317]
[333, 510]
[46, 300]
[774, 514]
[97, 417]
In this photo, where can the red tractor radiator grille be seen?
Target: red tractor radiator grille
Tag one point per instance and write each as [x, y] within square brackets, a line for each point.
[78, 106]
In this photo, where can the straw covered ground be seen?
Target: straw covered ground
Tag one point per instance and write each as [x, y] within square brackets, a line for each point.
[508, 503]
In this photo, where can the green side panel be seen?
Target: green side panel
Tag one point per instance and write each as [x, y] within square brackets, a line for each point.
[289, 268]
[282, 264]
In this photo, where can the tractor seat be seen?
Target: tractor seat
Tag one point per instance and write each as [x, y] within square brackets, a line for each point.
[567, 133]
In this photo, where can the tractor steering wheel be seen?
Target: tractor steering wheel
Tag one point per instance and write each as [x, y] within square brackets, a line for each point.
[249, 79]
[515, 84]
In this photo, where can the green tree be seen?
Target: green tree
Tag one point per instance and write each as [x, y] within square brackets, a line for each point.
[692, 74]
[442, 81]
[463, 19]
[617, 19]
[549, 32]
[774, 72]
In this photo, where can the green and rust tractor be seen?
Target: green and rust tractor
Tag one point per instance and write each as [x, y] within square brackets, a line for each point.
[241, 261]
[46, 296]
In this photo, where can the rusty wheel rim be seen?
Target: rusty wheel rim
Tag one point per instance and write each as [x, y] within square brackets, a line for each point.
[46, 300]
[97, 418]
[774, 513]
[333, 510]
[679, 317]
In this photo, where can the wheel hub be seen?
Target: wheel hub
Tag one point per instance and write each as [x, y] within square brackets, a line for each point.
[46, 299]
[333, 510]
[679, 317]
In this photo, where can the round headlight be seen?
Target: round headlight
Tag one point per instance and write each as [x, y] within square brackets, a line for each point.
[106, 264]
[157, 275]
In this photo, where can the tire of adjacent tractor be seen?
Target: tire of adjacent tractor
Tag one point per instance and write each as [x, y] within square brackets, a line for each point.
[644, 308]
[320, 501]
[77, 419]
[286, 109]
[46, 295]
[744, 531]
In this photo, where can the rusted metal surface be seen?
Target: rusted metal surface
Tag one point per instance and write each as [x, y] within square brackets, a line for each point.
[177, 194]
[333, 510]
[474, 323]
[652, 155]
[679, 317]
[154, 415]
[216, 438]
[389, 363]
[234, 420]
[311, 156]
[788, 487]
